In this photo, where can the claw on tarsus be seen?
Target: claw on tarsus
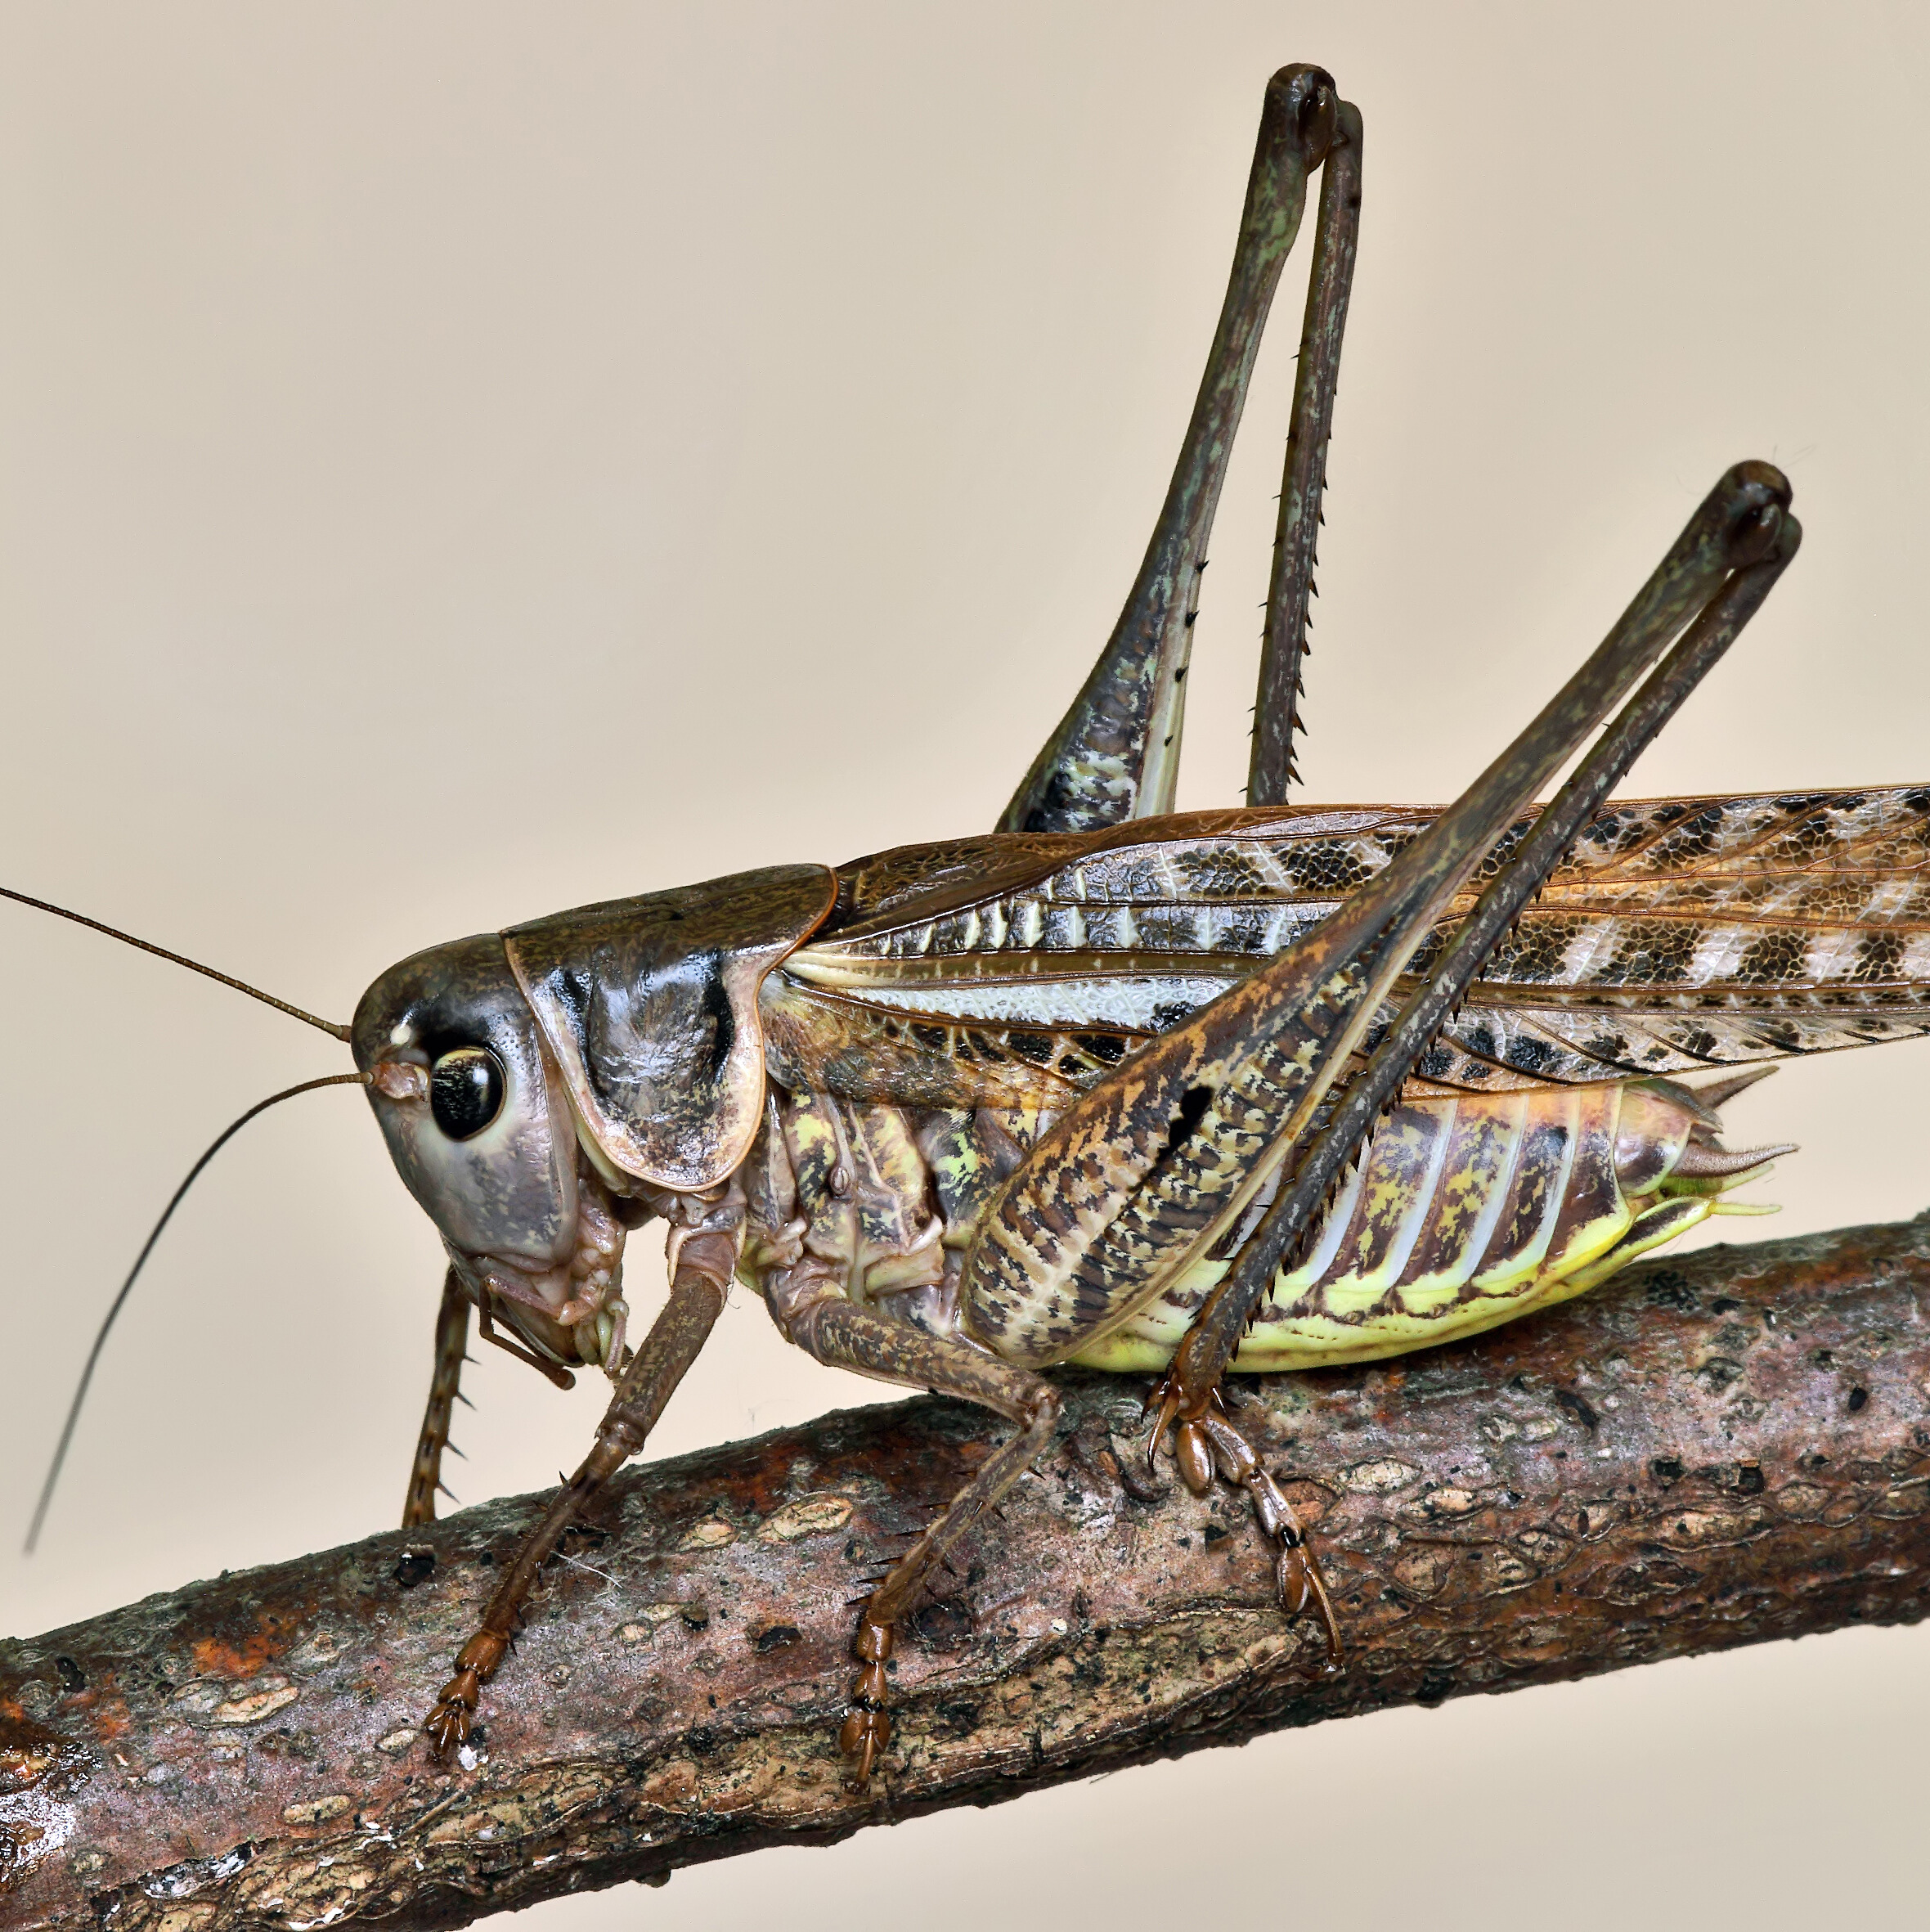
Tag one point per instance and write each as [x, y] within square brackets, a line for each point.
[1210, 1442]
[867, 1728]
[1163, 1395]
[1296, 1575]
[449, 1724]
[865, 1734]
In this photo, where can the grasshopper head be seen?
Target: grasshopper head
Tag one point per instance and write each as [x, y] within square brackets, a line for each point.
[475, 1113]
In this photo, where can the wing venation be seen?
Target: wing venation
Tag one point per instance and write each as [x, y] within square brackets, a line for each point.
[1678, 934]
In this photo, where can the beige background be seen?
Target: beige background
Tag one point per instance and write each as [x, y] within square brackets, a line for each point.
[459, 461]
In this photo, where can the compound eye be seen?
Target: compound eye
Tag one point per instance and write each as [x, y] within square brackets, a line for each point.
[465, 1091]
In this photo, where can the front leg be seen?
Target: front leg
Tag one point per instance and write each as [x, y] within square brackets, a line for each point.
[844, 1335]
[702, 1263]
[445, 1391]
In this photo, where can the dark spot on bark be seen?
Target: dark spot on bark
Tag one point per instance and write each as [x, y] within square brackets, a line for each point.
[944, 1625]
[1858, 1397]
[1725, 1305]
[1748, 1479]
[1214, 1534]
[73, 1679]
[694, 1616]
[1666, 1470]
[1437, 1686]
[1577, 1409]
[962, 1717]
[703, 1742]
[415, 1567]
[775, 1637]
[1822, 1357]
[1668, 1287]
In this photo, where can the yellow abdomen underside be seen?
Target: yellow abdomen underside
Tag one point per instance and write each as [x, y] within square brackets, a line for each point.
[1464, 1213]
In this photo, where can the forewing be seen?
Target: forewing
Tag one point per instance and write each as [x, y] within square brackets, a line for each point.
[1014, 970]
[1683, 933]
[1680, 933]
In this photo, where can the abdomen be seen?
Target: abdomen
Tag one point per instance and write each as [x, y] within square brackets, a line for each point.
[1465, 1212]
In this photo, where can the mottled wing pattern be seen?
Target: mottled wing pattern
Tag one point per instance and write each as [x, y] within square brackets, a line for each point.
[1012, 971]
[1686, 933]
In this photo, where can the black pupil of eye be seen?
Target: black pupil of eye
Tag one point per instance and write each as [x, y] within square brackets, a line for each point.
[465, 1091]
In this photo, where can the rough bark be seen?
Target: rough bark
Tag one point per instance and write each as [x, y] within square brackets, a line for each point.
[1717, 1450]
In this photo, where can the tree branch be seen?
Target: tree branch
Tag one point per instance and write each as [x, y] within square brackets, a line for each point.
[1717, 1450]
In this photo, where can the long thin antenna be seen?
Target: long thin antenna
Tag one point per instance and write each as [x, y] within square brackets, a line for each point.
[87, 1374]
[161, 952]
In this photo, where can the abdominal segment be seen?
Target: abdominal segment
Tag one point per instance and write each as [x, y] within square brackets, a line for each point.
[1465, 1210]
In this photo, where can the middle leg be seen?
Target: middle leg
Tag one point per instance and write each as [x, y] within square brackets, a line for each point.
[844, 1336]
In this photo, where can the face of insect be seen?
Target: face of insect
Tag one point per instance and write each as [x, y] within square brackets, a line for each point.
[474, 1112]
